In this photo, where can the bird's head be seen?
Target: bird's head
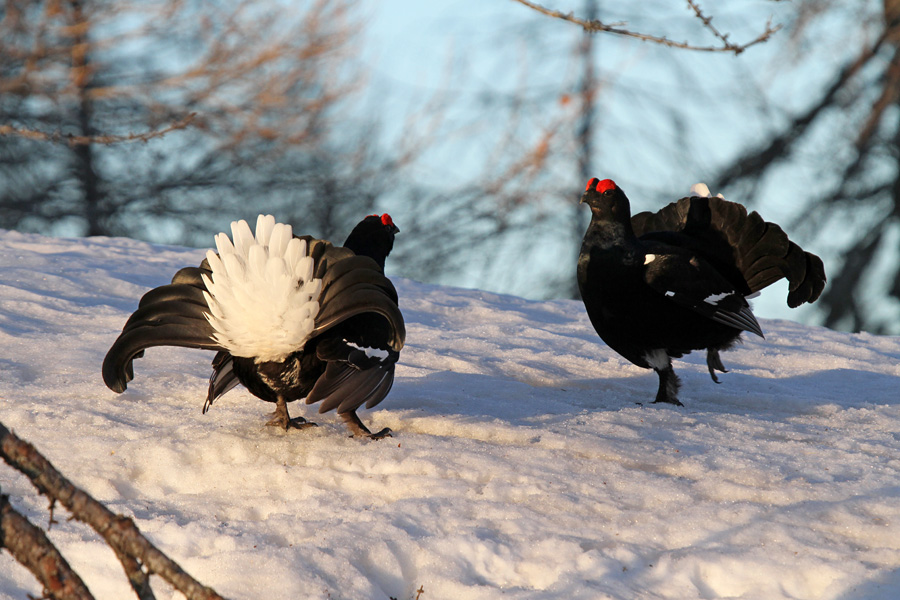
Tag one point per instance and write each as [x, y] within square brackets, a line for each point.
[606, 200]
[373, 237]
[388, 222]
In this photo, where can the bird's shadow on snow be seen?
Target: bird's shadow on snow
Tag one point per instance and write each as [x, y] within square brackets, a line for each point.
[21, 372]
[491, 398]
[883, 587]
[743, 393]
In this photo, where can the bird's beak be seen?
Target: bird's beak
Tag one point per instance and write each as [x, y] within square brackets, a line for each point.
[394, 229]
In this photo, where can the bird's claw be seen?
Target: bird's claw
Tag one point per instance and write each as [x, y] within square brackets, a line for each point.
[295, 423]
[379, 435]
[358, 429]
[674, 401]
[280, 418]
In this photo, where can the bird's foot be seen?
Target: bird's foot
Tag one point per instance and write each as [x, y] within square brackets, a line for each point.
[674, 401]
[714, 363]
[668, 387]
[301, 423]
[384, 433]
[361, 431]
[281, 418]
[292, 423]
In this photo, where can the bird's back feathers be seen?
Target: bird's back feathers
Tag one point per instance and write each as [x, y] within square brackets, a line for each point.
[727, 234]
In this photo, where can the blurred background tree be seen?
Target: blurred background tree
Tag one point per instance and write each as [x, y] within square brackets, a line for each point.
[266, 82]
[280, 107]
[552, 94]
[842, 144]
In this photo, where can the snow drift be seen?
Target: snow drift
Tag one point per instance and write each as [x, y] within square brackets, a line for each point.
[526, 462]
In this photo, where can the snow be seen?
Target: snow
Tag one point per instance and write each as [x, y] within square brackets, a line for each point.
[526, 460]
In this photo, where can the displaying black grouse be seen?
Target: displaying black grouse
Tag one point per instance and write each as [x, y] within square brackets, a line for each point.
[658, 285]
[290, 318]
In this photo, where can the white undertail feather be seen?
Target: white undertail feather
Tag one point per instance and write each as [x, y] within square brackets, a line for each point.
[262, 295]
[701, 190]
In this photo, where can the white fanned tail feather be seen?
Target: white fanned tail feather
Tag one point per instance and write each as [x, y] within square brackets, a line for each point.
[701, 190]
[262, 295]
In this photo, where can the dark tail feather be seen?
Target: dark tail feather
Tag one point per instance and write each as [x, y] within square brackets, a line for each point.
[170, 315]
[222, 380]
[742, 319]
[761, 250]
[345, 388]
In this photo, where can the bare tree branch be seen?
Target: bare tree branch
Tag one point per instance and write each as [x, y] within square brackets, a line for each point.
[83, 140]
[595, 25]
[35, 552]
[754, 162]
[118, 531]
[849, 137]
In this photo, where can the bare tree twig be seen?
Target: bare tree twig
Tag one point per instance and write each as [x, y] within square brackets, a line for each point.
[118, 531]
[32, 549]
[754, 162]
[595, 25]
[707, 22]
[82, 140]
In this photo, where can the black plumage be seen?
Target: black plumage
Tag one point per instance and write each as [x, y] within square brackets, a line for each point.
[658, 285]
[347, 361]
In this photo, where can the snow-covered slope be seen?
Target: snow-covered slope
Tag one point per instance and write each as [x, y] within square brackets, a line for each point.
[526, 461]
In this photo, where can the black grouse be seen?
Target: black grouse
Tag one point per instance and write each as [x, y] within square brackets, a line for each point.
[658, 285]
[290, 318]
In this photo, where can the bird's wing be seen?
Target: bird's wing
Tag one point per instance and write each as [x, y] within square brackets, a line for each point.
[170, 315]
[353, 286]
[726, 233]
[359, 333]
[691, 282]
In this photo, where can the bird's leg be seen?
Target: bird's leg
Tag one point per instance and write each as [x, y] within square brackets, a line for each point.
[359, 430]
[281, 418]
[668, 386]
[714, 362]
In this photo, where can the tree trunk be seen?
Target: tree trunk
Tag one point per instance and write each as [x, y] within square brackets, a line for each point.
[585, 128]
[85, 170]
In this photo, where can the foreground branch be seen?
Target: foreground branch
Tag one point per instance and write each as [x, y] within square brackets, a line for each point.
[83, 140]
[35, 552]
[122, 535]
[595, 25]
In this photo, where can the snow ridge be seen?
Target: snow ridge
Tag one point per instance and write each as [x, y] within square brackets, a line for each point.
[262, 295]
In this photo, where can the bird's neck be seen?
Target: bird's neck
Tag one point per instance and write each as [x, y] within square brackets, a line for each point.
[609, 246]
[361, 247]
[605, 232]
